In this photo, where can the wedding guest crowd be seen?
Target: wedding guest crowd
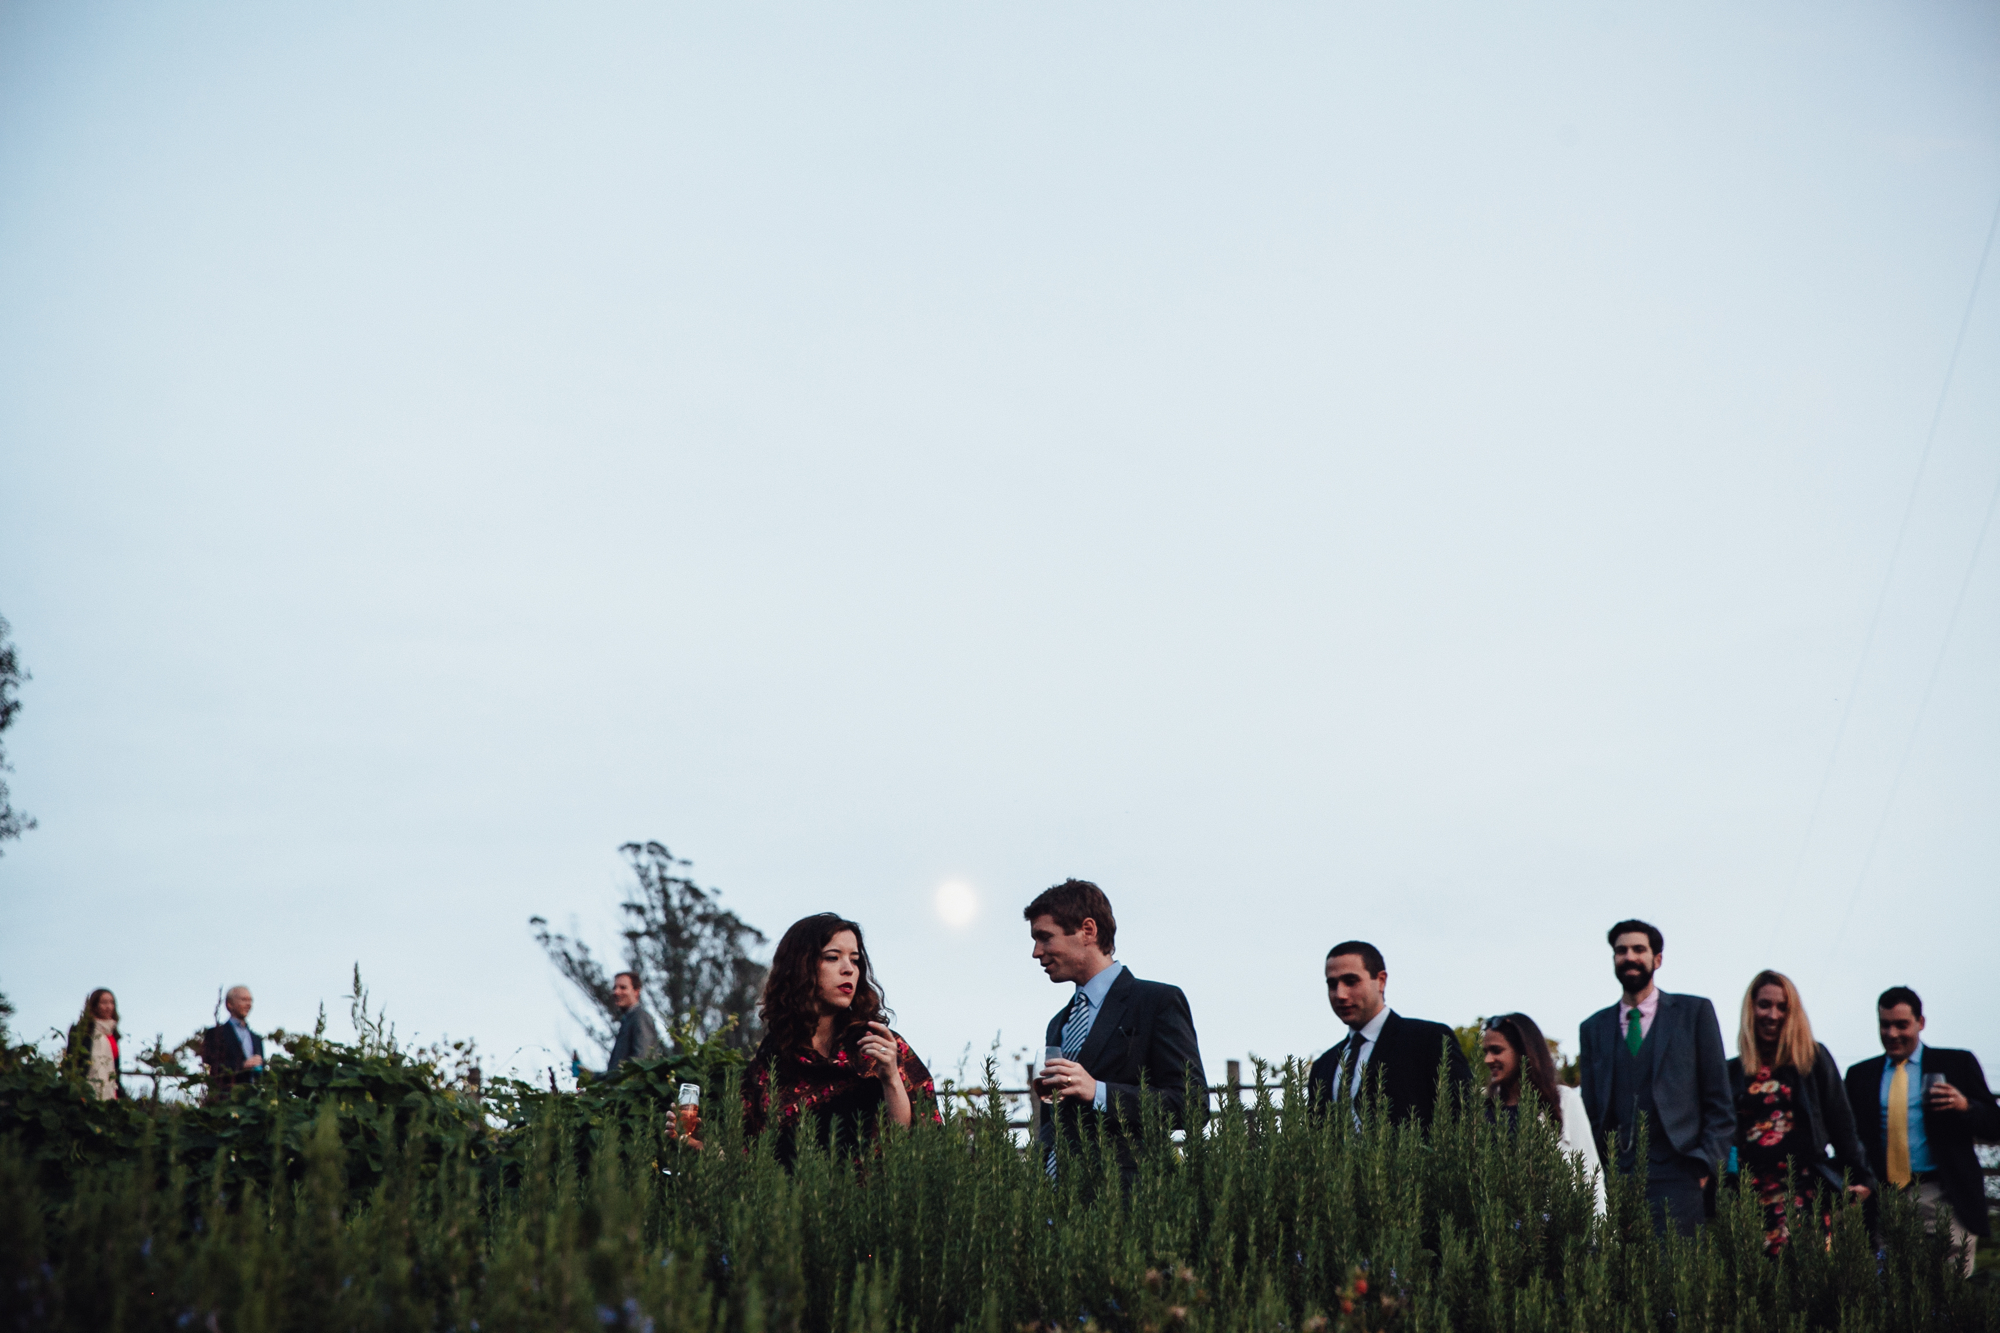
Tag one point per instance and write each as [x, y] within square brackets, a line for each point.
[1657, 1095]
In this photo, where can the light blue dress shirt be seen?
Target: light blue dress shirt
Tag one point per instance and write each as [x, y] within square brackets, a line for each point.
[1093, 992]
[243, 1037]
[1920, 1148]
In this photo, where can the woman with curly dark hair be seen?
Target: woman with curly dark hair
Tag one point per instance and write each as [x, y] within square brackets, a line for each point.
[828, 1057]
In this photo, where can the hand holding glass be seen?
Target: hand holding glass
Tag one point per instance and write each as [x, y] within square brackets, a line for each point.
[1048, 1053]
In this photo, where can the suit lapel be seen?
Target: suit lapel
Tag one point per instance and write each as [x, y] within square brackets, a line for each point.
[1385, 1041]
[1116, 1002]
[1664, 1027]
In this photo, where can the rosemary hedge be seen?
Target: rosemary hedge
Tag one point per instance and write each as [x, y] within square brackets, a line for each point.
[345, 1196]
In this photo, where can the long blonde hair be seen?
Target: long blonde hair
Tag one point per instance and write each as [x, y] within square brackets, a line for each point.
[1795, 1046]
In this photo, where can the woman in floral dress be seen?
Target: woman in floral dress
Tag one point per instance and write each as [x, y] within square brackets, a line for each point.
[828, 1061]
[1790, 1110]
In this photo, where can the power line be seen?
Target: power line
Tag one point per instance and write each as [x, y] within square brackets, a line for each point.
[1888, 578]
[1958, 604]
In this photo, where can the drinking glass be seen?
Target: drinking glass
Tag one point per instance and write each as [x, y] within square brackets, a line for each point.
[1931, 1082]
[687, 1109]
[1050, 1053]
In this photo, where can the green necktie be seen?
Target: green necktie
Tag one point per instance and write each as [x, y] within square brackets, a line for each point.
[1633, 1036]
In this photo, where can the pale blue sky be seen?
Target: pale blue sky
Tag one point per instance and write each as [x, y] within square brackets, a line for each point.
[1416, 472]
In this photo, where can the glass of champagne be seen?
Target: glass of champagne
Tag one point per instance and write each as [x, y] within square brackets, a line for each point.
[687, 1110]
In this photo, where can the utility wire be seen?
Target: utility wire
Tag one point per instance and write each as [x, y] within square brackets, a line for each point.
[1937, 666]
[1888, 578]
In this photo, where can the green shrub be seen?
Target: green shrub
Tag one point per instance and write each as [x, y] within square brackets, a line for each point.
[356, 1196]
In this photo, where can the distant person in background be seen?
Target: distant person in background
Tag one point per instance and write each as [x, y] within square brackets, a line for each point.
[1919, 1109]
[1382, 1048]
[1790, 1109]
[829, 1063]
[93, 1044]
[230, 1049]
[1120, 1039]
[636, 1038]
[1658, 1057]
[1517, 1058]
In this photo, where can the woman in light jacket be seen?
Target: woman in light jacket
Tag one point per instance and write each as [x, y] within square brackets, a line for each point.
[93, 1044]
[1517, 1054]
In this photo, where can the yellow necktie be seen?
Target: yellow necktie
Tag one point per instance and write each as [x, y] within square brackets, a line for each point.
[1899, 1124]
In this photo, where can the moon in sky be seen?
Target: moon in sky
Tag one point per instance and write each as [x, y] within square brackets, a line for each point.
[957, 904]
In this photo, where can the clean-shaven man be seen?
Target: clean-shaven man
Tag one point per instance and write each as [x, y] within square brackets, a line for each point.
[1382, 1049]
[1919, 1110]
[1658, 1057]
[1115, 1031]
[230, 1049]
[636, 1037]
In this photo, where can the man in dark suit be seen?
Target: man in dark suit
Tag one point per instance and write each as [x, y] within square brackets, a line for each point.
[231, 1051]
[1382, 1050]
[1121, 1038]
[1919, 1109]
[1658, 1057]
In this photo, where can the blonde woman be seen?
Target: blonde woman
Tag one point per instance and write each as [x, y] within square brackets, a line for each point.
[1790, 1107]
[93, 1044]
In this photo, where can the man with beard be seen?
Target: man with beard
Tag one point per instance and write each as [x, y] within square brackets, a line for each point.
[1657, 1058]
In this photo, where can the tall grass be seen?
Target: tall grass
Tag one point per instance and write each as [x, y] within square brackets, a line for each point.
[1256, 1219]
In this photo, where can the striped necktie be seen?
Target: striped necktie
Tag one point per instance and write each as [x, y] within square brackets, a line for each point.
[1347, 1063]
[1077, 1026]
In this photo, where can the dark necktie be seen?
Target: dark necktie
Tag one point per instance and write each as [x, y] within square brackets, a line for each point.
[1347, 1063]
[1633, 1034]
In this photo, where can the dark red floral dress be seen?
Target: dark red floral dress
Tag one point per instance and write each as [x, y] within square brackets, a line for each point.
[1769, 1141]
[835, 1094]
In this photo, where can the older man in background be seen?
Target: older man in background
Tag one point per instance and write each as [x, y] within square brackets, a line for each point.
[230, 1049]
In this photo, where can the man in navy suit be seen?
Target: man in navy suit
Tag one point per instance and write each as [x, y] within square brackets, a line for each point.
[1658, 1057]
[1919, 1110]
[1121, 1037]
[230, 1049]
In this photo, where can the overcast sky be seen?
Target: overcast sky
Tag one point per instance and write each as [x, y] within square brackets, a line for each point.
[1425, 473]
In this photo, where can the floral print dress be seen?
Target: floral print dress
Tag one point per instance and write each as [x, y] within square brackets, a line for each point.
[1771, 1141]
[835, 1094]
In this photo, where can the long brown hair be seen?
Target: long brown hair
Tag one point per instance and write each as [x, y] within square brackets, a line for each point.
[790, 1008]
[1538, 1067]
[1795, 1046]
[90, 1005]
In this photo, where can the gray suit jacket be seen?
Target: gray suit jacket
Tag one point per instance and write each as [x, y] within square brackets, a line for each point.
[1690, 1078]
[636, 1038]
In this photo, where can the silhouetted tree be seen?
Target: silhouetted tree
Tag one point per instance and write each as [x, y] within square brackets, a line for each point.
[13, 823]
[692, 955]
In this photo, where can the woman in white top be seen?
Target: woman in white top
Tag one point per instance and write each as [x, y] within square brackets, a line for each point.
[93, 1044]
[1516, 1053]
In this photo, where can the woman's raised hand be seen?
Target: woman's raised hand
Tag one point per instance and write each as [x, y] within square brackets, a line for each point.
[878, 1048]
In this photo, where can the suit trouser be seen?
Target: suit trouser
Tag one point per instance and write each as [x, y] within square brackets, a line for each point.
[1674, 1194]
[1933, 1207]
